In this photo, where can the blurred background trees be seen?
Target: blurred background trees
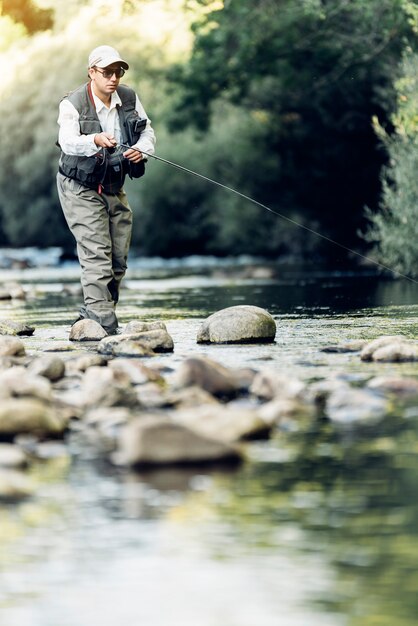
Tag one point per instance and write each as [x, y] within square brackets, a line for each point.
[274, 97]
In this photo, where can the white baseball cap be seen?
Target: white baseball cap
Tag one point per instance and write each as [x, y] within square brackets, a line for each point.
[103, 56]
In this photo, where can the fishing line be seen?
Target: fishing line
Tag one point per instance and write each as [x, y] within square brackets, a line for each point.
[284, 217]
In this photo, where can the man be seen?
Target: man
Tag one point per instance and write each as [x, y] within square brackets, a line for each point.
[93, 121]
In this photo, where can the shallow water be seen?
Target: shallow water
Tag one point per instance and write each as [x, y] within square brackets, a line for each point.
[318, 527]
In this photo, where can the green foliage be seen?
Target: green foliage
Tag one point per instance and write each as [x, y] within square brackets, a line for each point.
[394, 229]
[316, 72]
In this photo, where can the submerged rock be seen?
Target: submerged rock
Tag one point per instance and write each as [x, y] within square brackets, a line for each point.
[10, 327]
[155, 440]
[403, 387]
[87, 330]
[238, 324]
[349, 346]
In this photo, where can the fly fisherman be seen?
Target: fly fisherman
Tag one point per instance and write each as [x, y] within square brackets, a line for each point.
[93, 120]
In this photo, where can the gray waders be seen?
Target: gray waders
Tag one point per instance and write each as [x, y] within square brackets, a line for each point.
[101, 225]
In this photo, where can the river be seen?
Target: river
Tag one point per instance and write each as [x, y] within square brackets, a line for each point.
[317, 528]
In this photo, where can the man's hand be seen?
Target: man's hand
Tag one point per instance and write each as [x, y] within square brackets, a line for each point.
[105, 140]
[133, 155]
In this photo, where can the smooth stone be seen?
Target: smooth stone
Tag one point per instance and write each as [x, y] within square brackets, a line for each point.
[279, 409]
[350, 406]
[59, 346]
[103, 387]
[155, 440]
[12, 456]
[371, 347]
[87, 330]
[14, 485]
[137, 372]
[207, 374]
[189, 397]
[157, 340]
[269, 384]
[131, 348]
[222, 423]
[24, 415]
[19, 382]
[11, 346]
[238, 324]
[10, 327]
[50, 367]
[83, 362]
[137, 326]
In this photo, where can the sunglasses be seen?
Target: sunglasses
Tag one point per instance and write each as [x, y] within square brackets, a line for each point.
[119, 72]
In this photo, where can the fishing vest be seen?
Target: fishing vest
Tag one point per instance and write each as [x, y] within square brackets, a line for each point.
[107, 168]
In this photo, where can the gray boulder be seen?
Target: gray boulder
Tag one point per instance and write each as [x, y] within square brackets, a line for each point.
[87, 330]
[155, 440]
[238, 324]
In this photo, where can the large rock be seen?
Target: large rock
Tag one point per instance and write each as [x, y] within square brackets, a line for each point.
[11, 346]
[29, 415]
[87, 330]
[238, 324]
[10, 327]
[154, 440]
[207, 374]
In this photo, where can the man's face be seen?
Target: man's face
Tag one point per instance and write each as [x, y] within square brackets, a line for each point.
[106, 80]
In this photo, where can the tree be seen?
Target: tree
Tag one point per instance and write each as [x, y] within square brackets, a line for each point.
[315, 72]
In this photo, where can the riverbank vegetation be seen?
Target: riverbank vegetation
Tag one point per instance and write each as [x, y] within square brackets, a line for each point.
[275, 99]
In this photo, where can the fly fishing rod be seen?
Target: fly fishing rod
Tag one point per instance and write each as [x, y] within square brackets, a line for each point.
[281, 215]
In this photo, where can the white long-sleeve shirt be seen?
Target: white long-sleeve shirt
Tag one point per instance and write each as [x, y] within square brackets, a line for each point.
[72, 142]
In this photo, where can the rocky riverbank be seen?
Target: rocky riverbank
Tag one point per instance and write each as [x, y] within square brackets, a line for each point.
[133, 410]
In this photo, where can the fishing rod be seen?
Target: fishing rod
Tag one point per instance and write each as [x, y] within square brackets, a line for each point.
[263, 206]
